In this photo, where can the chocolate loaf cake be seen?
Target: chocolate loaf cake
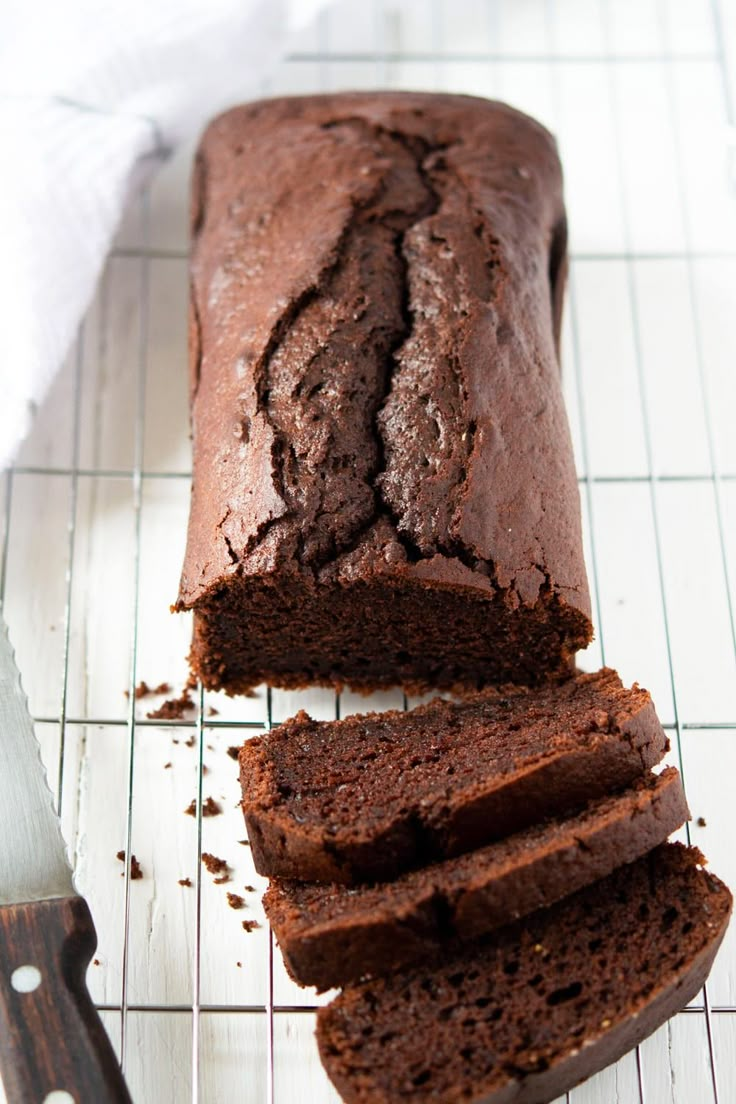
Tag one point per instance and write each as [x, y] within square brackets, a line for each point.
[331, 936]
[544, 1004]
[367, 797]
[384, 490]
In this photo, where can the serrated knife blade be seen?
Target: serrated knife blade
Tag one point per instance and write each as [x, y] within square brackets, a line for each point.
[51, 1038]
[33, 857]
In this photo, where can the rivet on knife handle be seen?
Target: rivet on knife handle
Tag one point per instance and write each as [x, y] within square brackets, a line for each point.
[53, 1047]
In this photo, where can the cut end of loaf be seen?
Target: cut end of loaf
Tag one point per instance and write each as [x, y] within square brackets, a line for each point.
[376, 634]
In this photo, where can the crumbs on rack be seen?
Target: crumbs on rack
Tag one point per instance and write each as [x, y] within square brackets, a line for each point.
[212, 864]
[143, 690]
[173, 709]
[210, 808]
[135, 867]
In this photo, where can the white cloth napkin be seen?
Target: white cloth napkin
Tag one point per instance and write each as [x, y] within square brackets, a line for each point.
[92, 93]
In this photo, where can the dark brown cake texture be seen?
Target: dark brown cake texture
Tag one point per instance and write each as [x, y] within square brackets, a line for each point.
[367, 797]
[335, 935]
[544, 1004]
[384, 489]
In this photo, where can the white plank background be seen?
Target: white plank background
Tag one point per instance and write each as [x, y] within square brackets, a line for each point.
[93, 520]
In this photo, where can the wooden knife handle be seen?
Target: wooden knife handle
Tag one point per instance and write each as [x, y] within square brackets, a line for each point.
[52, 1041]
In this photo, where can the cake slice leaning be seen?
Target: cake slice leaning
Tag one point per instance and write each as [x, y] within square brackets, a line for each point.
[544, 1004]
[335, 935]
[368, 797]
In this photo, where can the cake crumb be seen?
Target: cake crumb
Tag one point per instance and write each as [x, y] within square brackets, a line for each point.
[239, 965]
[190, 742]
[212, 864]
[210, 808]
[235, 901]
[212, 712]
[185, 882]
[222, 879]
[135, 867]
[233, 752]
[173, 709]
[143, 690]
[249, 889]
[244, 843]
[95, 962]
[167, 766]
[701, 822]
[250, 925]
[191, 809]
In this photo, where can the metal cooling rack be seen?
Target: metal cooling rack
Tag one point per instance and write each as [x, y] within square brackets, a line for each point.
[94, 515]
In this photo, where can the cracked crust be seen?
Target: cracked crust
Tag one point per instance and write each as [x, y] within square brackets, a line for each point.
[376, 292]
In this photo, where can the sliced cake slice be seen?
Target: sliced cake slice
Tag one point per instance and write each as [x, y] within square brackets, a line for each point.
[543, 1004]
[368, 797]
[332, 935]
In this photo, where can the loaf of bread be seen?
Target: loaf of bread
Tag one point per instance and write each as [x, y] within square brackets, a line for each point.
[333, 935]
[543, 1004]
[384, 489]
[367, 797]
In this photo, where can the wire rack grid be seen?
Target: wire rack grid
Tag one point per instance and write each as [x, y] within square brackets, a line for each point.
[94, 515]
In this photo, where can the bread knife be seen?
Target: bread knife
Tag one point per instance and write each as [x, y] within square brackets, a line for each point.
[53, 1047]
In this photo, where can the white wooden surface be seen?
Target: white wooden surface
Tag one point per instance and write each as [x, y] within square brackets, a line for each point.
[94, 517]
